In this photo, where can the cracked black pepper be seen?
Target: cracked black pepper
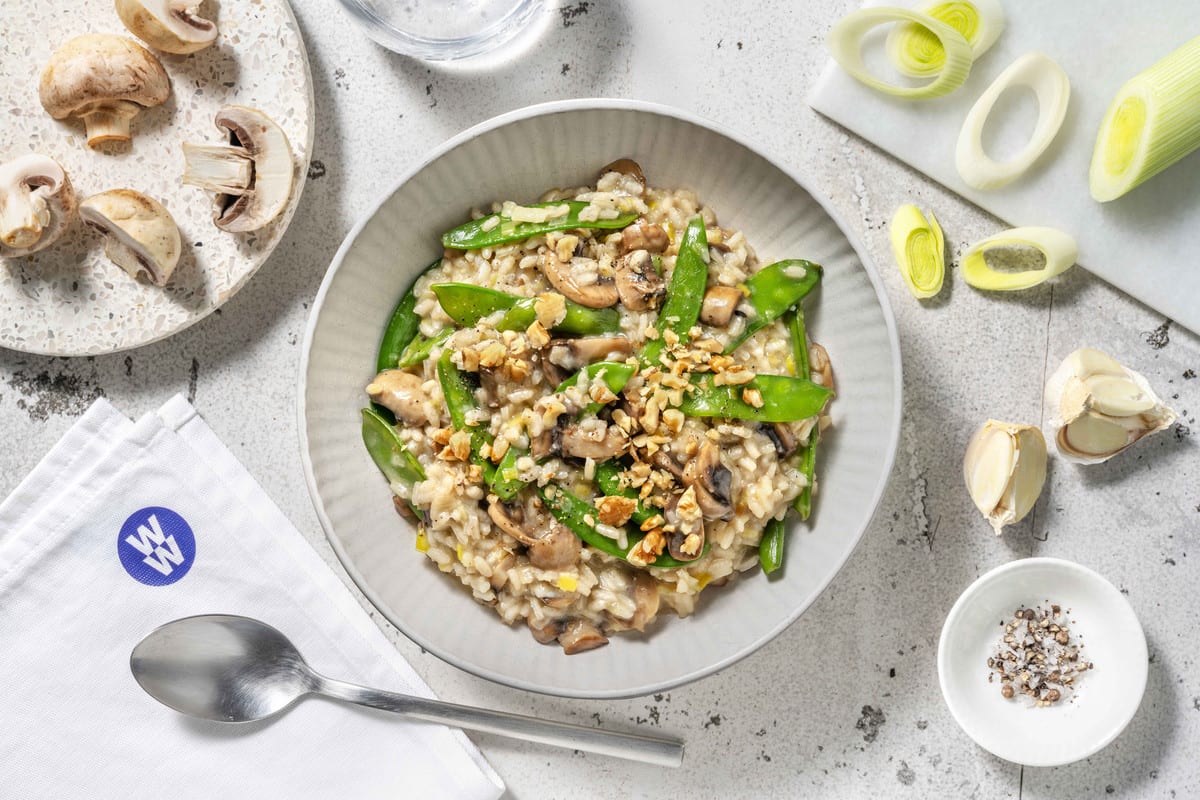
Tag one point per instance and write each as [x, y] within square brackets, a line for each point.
[1038, 656]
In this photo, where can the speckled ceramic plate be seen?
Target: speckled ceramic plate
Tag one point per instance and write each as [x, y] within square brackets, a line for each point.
[69, 299]
[563, 144]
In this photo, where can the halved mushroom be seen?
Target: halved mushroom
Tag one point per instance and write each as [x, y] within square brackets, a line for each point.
[557, 548]
[36, 203]
[643, 235]
[140, 235]
[580, 635]
[818, 362]
[104, 79]
[251, 176]
[645, 597]
[595, 441]
[625, 166]
[575, 354]
[546, 632]
[712, 480]
[686, 541]
[639, 285]
[168, 25]
[601, 293]
[719, 304]
[401, 393]
[550, 546]
[781, 435]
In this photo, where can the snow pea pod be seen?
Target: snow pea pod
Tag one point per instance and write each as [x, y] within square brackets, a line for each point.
[421, 347]
[808, 457]
[574, 512]
[466, 304]
[770, 548]
[784, 399]
[608, 478]
[402, 328]
[685, 292]
[772, 291]
[498, 229]
[459, 395]
[616, 375]
[388, 451]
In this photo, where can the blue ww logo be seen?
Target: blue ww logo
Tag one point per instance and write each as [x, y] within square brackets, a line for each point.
[156, 546]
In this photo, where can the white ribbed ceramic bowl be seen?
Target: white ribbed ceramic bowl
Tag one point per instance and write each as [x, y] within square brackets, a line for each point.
[518, 156]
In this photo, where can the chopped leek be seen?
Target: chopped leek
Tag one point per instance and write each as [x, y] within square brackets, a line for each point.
[916, 52]
[845, 45]
[1053, 90]
[920, 251]
[1153, 122]
[1058, 248]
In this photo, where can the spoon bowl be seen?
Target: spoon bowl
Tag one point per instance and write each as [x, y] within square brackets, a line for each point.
[236, 669]
[221, 667]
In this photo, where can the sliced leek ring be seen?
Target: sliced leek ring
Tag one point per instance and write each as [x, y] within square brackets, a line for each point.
[1058, 248]
[915, 52]
[1053, 90]
[845, 45]
[920, 251]
[1153, 122]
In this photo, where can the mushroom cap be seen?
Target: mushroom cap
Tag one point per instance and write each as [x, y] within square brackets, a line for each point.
[267, 144]
[167, 25]
[36, 204]
[141, 234]
[97, 70]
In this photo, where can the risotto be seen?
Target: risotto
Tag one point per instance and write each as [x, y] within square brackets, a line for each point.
[594, 406]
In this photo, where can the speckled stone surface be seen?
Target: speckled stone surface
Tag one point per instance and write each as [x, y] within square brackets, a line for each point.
[845, 703]
[69, 299]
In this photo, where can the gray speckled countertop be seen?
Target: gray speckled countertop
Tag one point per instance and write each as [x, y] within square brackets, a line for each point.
[846, 702]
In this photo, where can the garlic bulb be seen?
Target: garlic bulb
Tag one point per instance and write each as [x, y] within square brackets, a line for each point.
[1005, 468]
[1100, 407]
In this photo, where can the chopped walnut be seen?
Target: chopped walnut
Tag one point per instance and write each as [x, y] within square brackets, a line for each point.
[539, 337]
[551, 309]
[493, 355]
[648, 549]
[615, 511]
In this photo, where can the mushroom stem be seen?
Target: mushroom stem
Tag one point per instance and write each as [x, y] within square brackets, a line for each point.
[110, 123]
[20, 223]
[220, 168]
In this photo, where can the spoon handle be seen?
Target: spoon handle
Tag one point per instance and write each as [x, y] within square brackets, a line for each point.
[649, 749]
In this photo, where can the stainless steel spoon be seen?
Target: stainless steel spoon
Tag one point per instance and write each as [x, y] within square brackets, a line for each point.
[236, 669]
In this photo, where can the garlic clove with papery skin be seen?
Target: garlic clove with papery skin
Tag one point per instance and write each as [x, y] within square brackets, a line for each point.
[1005, 468]
[1101, 407]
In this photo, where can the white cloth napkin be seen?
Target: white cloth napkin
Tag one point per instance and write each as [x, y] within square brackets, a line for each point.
[125, 526]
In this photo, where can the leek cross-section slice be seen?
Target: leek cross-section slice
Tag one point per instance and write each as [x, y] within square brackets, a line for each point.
[916, 52]
[845, 45]
[1053, 91]
[1153, 122]
[1058, 248]
[920, 251]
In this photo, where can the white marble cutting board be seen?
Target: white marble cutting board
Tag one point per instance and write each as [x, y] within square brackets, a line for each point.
[1147, 242]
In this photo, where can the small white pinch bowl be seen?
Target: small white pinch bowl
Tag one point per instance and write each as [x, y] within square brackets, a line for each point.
[1086, 720]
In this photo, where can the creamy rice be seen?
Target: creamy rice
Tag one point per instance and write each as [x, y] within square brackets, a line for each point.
[595, 594]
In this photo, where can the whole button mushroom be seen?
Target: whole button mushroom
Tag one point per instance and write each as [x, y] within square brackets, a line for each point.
[106, 80]
[140, 234]
[251, 176]
[36, 203]
[167, 25]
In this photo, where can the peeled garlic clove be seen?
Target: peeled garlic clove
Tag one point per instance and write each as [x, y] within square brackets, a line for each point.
[1101, 407]
[1005, 468]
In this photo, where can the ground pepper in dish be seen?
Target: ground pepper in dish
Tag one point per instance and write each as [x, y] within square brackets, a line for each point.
[1038, 655]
